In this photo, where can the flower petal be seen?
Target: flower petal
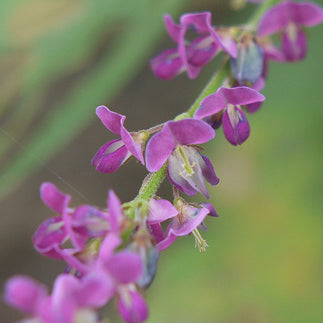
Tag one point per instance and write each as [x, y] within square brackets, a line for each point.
[49, 234]
[24, 293]
[241, 95]
[190, 218]
[160, 211]
[125, 267]
[294, 48]
[172, 28]
[235, 126]
[111, 120]
[115, 211]
[274, 20]
[53, 198]
[208, 171]
[159, 148]
[190, 131]
[132, 307]
[197, 20]
[167, 242]
[305, 13]
[111, 156]
[167, 64]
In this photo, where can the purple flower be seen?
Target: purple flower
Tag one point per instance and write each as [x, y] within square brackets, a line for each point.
[188, 219]
[71, 298]
[235, 124]
[78, 225]
[186, 165]
[132, 306]
[290, 17]
[116, 152]
[191, 56]
[53, 232]
[123, 268]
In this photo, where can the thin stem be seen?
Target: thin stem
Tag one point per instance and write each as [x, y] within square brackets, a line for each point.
[153, 180]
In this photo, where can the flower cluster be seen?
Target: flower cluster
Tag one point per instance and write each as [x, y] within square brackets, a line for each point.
[112, 252]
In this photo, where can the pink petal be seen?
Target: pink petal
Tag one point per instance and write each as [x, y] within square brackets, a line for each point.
[115, 211]
[111, 156]
[235, 126]
[167, 64]
[125, 267]
[24, 293]
[111, 120]
[172, 28]
[54, 198]
[160, 211]
[132, 307]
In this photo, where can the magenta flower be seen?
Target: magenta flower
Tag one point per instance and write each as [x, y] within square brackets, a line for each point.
[187, 221]
[53, 232]
[228, 101]
[290, 17]
[186, 165]
[70, 300]
[123, 269]
[78, 225]
[116, 152]
[132, 306]
[191, 56]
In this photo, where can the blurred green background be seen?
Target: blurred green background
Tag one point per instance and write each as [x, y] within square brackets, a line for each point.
[60, 59]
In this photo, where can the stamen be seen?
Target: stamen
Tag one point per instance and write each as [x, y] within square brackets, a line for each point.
[187, 167]
[199, 241]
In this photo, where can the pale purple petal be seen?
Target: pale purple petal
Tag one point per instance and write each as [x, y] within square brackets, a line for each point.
[24, 293]
[160, 211]
[49, 234]
[167, 242]
[115, 211]
[294, 46]
[111, 156]
[191, 217]
[108, 245]
[174, 172]
[208, 171]
[159, 148]
[305, 13]
[89, 221]
[201, 51]
[210, 207]
[111, 120]
[125, 267]
[274, 20]
[132, 307]
[224, 40]
[95, 290]
[156, 232]
[198, 21]
[235, 126]
[134, 146]
[212, 104]
[190, 131]
[241, 95]
[54, 198]
[172, 28]
[167, 64]
[192, 71]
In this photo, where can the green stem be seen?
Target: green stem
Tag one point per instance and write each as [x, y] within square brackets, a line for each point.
[153, 181]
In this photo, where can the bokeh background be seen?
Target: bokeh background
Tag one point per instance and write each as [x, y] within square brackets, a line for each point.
[60, 59]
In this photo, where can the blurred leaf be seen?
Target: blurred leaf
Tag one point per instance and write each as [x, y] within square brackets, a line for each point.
[116, 68]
